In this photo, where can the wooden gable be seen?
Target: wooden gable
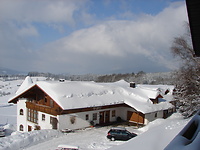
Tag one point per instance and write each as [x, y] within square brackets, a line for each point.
[155, 101]
[39, 100]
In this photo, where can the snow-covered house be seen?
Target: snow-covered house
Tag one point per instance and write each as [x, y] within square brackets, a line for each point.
[78, 104]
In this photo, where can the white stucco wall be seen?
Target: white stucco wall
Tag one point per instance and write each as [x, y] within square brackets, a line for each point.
[21, 119]
[80, 121]
[122, 112]
[65, 121]
[152, 116]
[30, 124]
[44, 124]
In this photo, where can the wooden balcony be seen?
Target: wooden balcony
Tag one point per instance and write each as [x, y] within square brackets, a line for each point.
[43, 108]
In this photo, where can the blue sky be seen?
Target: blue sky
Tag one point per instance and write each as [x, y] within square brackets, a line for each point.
[90, 36]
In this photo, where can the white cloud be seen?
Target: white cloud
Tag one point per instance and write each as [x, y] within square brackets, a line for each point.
[28, 31]
[18, 24]
[47, 11]
[126, 45]
[148, 38]
[96, 40]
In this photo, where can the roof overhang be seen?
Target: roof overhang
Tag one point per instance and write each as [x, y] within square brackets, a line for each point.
[17, 96]
[193, 9]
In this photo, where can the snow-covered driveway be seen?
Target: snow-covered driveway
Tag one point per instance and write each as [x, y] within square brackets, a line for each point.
[91, 138]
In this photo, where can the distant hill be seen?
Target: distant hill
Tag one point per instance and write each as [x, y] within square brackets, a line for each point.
[6, 71]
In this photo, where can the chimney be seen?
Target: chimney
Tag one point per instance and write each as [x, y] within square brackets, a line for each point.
[132, 84]
[62, 80]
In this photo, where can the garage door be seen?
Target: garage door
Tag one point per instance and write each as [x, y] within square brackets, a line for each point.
[135, 117]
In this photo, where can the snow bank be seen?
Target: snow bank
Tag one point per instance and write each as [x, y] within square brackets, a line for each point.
[157, 134]
[9, 129]
[20, 140]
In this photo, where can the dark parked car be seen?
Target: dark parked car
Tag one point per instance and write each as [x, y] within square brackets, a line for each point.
[2, 132]
[120, 134]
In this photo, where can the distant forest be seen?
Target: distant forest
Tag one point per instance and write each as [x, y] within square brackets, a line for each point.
[139, 78]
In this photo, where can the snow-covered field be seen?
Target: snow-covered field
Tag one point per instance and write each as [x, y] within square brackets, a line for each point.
[155, 136]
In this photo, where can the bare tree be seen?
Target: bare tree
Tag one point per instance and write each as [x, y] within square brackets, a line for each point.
[187, 90]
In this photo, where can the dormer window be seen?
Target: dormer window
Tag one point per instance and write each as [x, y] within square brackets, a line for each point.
[167, 91]
[155, 101]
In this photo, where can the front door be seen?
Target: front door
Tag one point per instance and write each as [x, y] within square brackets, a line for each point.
[107, 116]
[104, 117]
[165, 114]
[54, 122]
[101, 118]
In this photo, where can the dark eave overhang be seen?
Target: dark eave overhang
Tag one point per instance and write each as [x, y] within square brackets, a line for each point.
[193, 9]
[15, 99]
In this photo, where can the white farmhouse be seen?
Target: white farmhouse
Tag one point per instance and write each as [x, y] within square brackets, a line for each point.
[77, 104]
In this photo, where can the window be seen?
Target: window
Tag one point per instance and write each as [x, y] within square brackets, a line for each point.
[21, 112]
[95, 116]
[32, 115]
[43, 117]
[21, 128]
[156, 115]
[35, 116]
[51, 103]
[113, 113]
[51, 120]
[45, 100]
[86, 117]
[29, 128]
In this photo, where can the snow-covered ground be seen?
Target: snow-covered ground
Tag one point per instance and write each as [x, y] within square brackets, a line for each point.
[156, 135]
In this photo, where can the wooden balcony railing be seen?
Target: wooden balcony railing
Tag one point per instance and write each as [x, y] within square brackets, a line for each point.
[43, 108]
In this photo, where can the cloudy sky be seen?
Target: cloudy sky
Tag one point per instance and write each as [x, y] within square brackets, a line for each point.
[90, 36]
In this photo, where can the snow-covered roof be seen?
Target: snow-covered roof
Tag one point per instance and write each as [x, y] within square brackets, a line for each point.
[26, 83]
[82, 94]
